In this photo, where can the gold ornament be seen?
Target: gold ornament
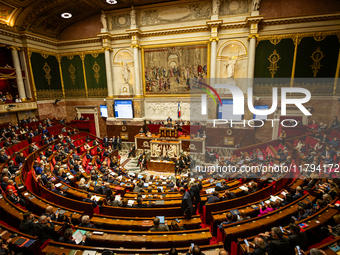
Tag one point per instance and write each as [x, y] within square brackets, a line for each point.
[47, 71]
[316, 56]
[273, 58]
[72, 70]
[96, 69]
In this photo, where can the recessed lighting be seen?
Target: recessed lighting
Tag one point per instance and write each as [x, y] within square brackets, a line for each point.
[66, 15]
[111, 1]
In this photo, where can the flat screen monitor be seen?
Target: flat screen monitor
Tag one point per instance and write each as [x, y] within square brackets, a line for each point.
[260, 117]
[103, 111]
[226, 111]
[123, 109]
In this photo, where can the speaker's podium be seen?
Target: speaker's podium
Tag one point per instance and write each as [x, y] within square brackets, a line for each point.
[168, 132]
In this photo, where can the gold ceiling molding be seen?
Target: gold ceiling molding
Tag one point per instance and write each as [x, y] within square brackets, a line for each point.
[70, 57]
[94, 55]
[30, 50]
[297, 35]
[279, 21]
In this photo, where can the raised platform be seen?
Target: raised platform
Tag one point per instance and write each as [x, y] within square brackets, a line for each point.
[196, 145]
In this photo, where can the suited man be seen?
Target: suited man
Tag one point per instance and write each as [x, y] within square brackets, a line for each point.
[143, 163]
[278, 244]
[12, 168]
[228, 195]
[88, 155]
[297, 238]
[168, 119]
[20, 159]
[3, 156]
[261, 248]
[15, 199]
[44, 229]
[157, 227]
[106, 141]
[195, 191]
[132, 151]
[26, 225]
[72, 146]
[327, 151]
[114, 142]
[140, 204]
[49, 213]
[88, 200]
[186, 205]
[178, 169]
[106, 191]
[119, 143]
[223, 186]
[85, 222]
[169, 125]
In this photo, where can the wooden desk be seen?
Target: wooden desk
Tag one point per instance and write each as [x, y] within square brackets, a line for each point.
[168, 132]
[161, 166]
[55, 247]
[140, 223]
[196, 145]
[115, 238]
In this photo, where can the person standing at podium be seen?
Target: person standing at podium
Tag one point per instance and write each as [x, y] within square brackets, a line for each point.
[168, 119]
[169, 125]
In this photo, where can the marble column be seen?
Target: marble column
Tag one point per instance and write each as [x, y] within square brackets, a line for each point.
[213, 59]
[251, 60]
[108, 73]
[20, 82]
[137, 89]
[25, 67]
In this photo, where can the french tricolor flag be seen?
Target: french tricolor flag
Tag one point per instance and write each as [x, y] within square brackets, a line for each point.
[179, 110]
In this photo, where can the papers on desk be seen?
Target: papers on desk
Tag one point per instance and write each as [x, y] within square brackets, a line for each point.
[26, 194]
[58, 185]
[95, 198]
[143, 196]
[243, 188]
[132, 174]
[118, 197]
[131, 202]
[283, 193]
[89, 252]
[210, 191]
[274, 198]
[267, 201]
[78, 236]
[146, 184]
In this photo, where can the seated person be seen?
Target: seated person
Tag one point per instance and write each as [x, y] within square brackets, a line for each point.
[214, 197]
[157, 226]
[85, 222]
[302, 213]
[266, 208]
[88, 200]
[132, 151]
[228, 195]
[15, 199]
[141, 131]
[69, 239]
[229, 220]
[277, 243]
[26, 225]
[43, 230]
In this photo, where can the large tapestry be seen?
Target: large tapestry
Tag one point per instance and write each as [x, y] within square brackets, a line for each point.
[172, 70]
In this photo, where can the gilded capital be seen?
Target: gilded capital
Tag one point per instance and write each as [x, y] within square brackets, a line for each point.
[107, 49]
[136, 46]
[13, 48]
[214, 39]
[252, 36]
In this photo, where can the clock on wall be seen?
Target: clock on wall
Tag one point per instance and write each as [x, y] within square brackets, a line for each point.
[229, 132]
[123, 128]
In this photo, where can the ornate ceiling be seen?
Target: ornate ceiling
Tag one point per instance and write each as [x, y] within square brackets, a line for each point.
[43, 16]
